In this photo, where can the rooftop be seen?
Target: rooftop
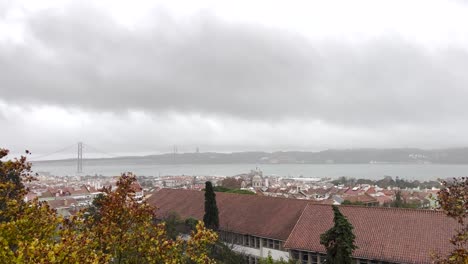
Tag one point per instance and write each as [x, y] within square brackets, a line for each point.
[391, 234]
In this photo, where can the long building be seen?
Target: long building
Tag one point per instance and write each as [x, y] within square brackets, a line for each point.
[259, 226]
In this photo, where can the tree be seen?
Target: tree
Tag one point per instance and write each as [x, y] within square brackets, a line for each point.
[239, 191]
[126, 231]
[29, 231]
[453, 200]
[118, 229]
[348, 202]
[93, 211]
[12, 175]
[339, 240]
[398, 201]
[270, 260]
[191, 223]
[231, 183]
[228, 190]
[211, 218]
[173, 223]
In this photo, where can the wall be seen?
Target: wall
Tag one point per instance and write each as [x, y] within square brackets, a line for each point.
[262, 252]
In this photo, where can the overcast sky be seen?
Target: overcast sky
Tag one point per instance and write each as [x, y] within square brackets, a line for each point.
[137, 77]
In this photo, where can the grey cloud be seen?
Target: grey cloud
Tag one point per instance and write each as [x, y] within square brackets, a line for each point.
[82, 58]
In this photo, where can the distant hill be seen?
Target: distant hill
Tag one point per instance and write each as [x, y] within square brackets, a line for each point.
[349, 156]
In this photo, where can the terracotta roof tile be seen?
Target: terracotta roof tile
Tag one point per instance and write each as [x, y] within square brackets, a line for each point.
[246, 214]
[388, 234]
[363, 198]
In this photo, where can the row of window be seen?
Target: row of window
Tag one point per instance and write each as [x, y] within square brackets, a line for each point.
[250, 241]
[308, 257]
[302, 256]
[368, 261]
[317, 258]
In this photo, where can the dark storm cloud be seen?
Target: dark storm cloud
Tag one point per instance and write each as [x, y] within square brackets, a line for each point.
[82, 58]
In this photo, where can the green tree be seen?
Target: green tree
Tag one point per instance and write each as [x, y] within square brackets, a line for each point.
[231, 183]
[173, 224]
[191, 223]
[93, 211]
[270, 260]
[121, 228]
[211, 218]
[348, 202]
[453, 200]
[126, 231]
[28, 230]
[339, 240]
[12, 175]
[224, 253]
[239, 191]
[398, 201]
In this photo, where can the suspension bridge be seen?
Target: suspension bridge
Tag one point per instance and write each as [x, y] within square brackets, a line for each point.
[78, 148]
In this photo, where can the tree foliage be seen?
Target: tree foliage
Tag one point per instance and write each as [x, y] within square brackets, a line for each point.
[270, 260]
[453, 200]
[12, 175]
[118, 228]
[348, 202]
[231, 183]
[211, 218]
[398, 203]
[229, 190]
[339, 240]
[30, 232]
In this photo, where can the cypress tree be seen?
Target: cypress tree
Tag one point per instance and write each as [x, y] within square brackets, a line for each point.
[398, 201]
[339, 240]
[210, 218]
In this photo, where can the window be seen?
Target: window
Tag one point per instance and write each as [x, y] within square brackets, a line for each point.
[257, 242]
[270, 243]
[239, 239]
[224, 236]
[246, 240]
[277, 244]
[252, 241]
[295, 254]
[361, 261]
[313, 258]
[305, 258]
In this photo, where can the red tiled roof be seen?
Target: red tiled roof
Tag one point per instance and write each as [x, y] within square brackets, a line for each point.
[383, 199]
[387, 234]
[62, 203]
[136, 187]
[261, 216]
[351, 191]
[363, 198]
[371, 190]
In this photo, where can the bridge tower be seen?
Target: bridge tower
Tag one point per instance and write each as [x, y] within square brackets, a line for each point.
[79, 160]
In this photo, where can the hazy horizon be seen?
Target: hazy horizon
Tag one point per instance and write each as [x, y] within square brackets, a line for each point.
[70, 153]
